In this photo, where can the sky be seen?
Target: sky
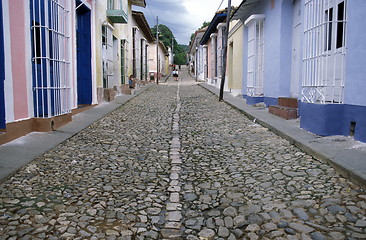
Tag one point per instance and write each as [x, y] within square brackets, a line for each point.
[183, 17]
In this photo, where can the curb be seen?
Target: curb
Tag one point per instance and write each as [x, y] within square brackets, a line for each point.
[346, 161]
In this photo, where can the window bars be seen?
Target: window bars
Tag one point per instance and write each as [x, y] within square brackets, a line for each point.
[107, 56]
[324, 51]
[123, 61]
[50, 57]
[255, 72]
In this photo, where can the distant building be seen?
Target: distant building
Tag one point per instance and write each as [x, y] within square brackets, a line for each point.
[141, 38]
[212, 43]
[158, 61]
[197, 54]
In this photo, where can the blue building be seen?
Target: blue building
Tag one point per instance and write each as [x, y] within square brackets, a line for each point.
[310, 50]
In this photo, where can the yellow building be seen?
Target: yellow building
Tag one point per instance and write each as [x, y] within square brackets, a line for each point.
[235, 57]
[113, 45]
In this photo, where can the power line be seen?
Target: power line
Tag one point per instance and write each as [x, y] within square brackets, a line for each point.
[148, 6]
[176, 25]
[219, 6]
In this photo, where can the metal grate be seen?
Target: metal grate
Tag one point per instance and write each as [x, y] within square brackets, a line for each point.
[107, 56]
[50, 57]
[324, 51]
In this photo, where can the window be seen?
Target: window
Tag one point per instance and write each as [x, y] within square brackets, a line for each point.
[123, 62]
[104, 49]
[323, 75]
[104, 35]
[255, 71]
[50, 57]
[328, 29]
[335, 35]
[110, 5]
[36, 37]
[341, 25]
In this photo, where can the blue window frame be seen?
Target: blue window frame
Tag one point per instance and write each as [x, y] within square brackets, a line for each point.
[2, 71]
[50, 54]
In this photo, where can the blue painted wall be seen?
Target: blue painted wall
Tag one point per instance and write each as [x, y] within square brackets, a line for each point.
[336, 119]
[321, 119]
[333, 119]
[355, 85]
[357, 114]
[285, 46]
[277, 51]
[2, 71]
[272, 51]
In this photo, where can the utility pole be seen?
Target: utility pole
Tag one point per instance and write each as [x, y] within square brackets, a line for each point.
[226, 38]
[157, 50]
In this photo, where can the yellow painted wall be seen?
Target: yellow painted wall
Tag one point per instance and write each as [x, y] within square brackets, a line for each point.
[235, 57]
[120, 31]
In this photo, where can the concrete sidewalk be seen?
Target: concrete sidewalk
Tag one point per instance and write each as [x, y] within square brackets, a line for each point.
[343, 153]
[18, 153]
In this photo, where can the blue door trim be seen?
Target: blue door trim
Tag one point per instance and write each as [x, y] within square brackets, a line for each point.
[84, 69]
[2, 71]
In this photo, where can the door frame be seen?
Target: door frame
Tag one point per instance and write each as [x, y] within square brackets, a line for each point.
[84, 55]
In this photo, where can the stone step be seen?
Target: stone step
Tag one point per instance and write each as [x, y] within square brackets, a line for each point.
[283, 112]
[287, 102]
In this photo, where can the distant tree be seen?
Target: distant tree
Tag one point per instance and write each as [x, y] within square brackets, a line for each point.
[166, 36]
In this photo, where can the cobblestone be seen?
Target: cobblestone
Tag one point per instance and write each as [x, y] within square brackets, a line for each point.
[174, 163]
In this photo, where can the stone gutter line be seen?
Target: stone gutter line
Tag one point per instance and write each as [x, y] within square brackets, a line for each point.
[173, 216]
[303, 140]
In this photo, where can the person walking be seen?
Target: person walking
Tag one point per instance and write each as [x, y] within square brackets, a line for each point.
[175, 74]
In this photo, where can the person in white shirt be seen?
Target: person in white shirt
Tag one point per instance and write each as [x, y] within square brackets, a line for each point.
[175, 74]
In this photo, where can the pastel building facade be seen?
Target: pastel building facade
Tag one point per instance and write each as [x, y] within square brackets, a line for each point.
[235, 58]
[309, 50]
[158, 61]
[115, 46]
[141, 40]
[197, 54]
[212, 43]
[60, 57]
[46, 64]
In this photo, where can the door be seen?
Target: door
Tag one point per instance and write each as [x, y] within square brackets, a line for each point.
[296, 49]
[83, 46]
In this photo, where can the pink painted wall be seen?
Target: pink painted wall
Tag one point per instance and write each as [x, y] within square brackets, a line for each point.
[209, 59]
[18, 45]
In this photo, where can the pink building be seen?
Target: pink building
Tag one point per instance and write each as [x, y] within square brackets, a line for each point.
[45, 64]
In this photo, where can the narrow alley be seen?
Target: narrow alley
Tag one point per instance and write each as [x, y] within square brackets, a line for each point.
[182, 166]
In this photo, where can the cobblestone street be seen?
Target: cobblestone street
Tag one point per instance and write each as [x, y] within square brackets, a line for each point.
[175, 163]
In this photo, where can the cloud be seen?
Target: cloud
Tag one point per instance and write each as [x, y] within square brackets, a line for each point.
[182, 17]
